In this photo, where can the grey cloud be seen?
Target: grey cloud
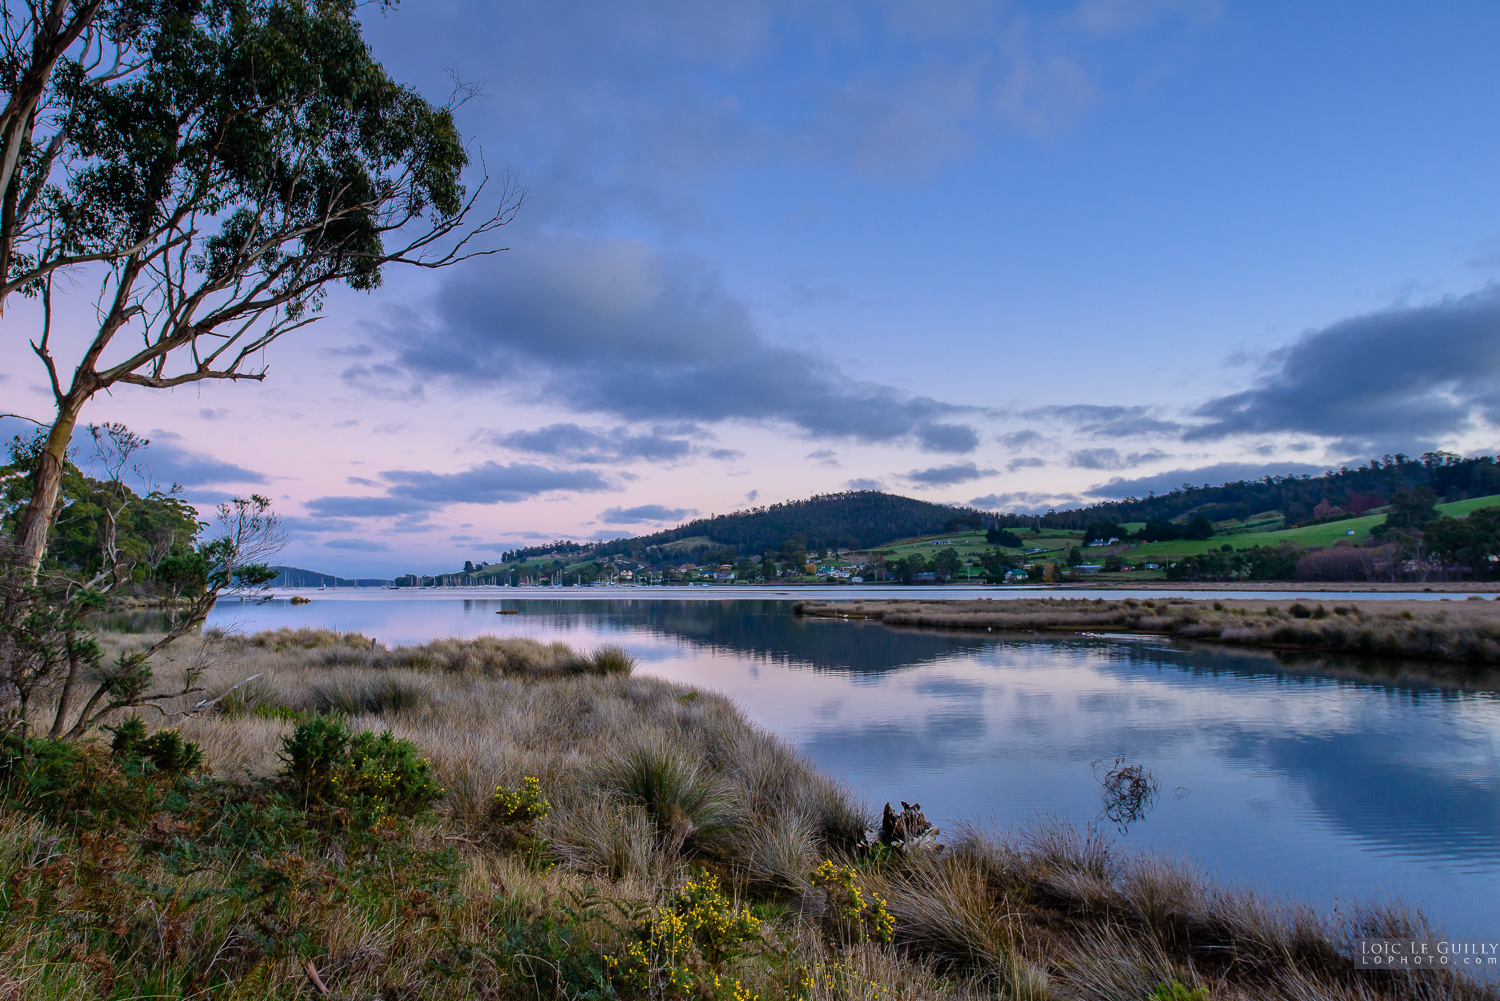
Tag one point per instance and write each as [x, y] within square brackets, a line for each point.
[1025, 502]
[597, 445]
[614, 326]
[165, 461]
[489, 483]
[1020, 439]
[825, 457]
[1030, 462]
[1108, 421]
[411, 494]
[724, 454]
[358, 545]
[1398, 379]
[306, 526]
[1110, 458]
[945, 476]
[364, 507]
[861, 483]
[1222, 472]
[644, 513]
[938, 437]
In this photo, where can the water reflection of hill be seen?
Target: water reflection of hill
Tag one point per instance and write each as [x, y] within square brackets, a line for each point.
[765, 629]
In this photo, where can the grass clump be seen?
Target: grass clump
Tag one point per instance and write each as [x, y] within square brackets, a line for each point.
[681, 797]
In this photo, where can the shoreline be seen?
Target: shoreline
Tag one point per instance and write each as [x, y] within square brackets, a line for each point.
[584, 811]
[1453, 632]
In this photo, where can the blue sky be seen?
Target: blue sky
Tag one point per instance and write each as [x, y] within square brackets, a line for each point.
[995, 253]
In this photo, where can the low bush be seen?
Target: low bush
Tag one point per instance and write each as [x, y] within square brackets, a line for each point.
[368, 772]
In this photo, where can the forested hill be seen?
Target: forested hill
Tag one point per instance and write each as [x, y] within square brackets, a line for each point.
[856, 519]
[1298, 498]
[298, 577]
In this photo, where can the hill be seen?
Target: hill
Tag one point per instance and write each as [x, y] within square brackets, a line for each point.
[855, 519]
[1295, 498]
[298, 577]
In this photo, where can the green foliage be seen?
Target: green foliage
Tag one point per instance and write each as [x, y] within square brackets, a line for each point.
[163, 751]
[367, 772]
[1003, 537]
[946, 564]
[1177, 991]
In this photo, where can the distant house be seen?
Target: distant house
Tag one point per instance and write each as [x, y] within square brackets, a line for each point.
[1089, 567]
[1011, 576]
[1105, 542]
[924, 576]
[724, 575]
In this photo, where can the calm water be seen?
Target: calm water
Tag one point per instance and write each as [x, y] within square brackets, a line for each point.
[1301, 779]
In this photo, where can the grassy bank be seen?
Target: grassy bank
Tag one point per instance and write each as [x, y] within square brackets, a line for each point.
[503, 819]
[1455, 632]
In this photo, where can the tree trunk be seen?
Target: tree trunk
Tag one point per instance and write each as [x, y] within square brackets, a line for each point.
[36, 523]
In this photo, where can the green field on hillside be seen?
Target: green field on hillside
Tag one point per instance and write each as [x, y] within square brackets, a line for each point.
[1264, 530]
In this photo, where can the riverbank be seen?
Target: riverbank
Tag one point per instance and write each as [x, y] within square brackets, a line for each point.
[560, 827]
[1455, 632]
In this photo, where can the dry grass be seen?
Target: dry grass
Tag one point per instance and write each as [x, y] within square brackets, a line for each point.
[1459, 632]
[646, 779]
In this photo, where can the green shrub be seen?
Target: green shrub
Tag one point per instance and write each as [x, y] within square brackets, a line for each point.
[1176, 991]
[366, 771]
[163, 751]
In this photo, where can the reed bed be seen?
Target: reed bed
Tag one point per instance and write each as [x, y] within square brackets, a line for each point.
[582, 805]
[1458, 632]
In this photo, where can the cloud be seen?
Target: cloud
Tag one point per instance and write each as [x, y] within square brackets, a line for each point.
[825, 457]
[1030, 462]
[1222, 472]
[1110, 458]
[165, 462]
[1108, 421]
[938, 437]
[861, 483]
[1025, 502]
[415, 492]
[946, 476]
[490, 483]
[1399, 379]
[1020, 439]
[644, 513]
[616, 327]
[598, 445]
[358, 545]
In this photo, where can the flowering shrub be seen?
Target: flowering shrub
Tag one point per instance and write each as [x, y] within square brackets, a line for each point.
[681, 947]
[863, 916]
[519, 806]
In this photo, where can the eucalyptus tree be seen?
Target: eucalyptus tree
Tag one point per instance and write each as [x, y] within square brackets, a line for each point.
[252, 157]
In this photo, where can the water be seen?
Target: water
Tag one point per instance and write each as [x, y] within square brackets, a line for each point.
[1306, 778]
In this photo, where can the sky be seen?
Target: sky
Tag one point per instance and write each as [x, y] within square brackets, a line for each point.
[1008, 255]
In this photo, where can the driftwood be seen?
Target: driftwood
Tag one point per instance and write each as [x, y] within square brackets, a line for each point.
[909, 827]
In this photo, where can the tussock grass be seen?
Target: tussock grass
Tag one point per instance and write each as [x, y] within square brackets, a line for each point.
[1453, 632]
[645, 782]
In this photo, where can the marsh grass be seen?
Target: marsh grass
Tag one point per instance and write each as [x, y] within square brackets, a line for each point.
[226, 886]
[1466, 633]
